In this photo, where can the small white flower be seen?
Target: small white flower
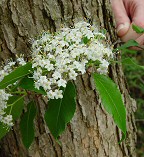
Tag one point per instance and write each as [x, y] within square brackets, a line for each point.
[4, 118]
[49, 66]
[35, 44]
[52, 80]
[103, 68]
[72, 75]
[42, 63]
[37, 74]
[8, 120]
[21, 61]
[11, 63]
[51, 94]
[61, 83]
[58, 94]
[42, 80]
[37, 85]
[47, 85]
[56, 75]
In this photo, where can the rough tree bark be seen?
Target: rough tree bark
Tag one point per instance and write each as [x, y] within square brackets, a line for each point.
[92, 132]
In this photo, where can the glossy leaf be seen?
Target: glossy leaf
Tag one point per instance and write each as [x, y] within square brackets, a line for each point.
[137, 29]
[15, 75]
[61, 111]
[28, 84]
[27, 125]
[111, 100]
[3, 130]
[15, 106]
[128, 44]
[129, 51]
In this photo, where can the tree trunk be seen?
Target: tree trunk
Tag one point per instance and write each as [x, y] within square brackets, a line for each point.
[92, 132]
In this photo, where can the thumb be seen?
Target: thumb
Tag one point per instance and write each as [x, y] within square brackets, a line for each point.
[121, 17]
[138, 14]
[131, 34]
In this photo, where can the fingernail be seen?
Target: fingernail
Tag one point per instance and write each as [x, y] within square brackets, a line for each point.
[123, 26]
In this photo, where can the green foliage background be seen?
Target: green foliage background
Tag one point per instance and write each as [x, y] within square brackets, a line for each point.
[135, 80]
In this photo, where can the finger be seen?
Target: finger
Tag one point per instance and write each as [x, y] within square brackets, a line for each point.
[121, 17]
[136, 10]
[131, 34]
[140, 40]
[138, 14]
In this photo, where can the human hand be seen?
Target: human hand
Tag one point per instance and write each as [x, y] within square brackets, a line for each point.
[126, 13]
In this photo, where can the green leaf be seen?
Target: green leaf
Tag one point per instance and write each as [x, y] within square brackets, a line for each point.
[138, 29]
[28, 84]
[61, 111]
[85, 40]
[15, 86]
[128, 44]
[15, 75]
[103, 31]
[3, 130]
[15, 106]
[131, 62]
[112, 100]
[27, 125]
[129, 51]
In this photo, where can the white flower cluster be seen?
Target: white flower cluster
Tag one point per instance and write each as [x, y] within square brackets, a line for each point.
[62, 56]
[6, 70]
[4, 118]
[9, 67]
